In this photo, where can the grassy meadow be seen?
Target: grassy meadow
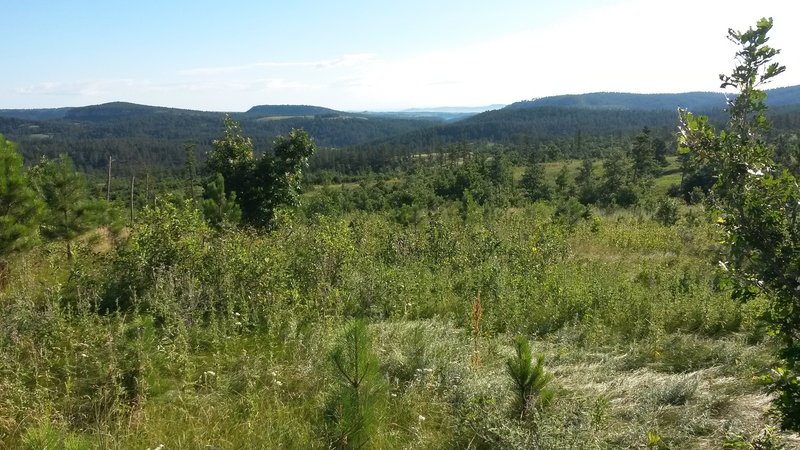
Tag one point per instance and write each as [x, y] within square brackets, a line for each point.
[176, 335]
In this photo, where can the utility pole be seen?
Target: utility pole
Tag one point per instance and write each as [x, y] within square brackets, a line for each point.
[108, 181]
[133, 177]
[188, 149]
[147, 187]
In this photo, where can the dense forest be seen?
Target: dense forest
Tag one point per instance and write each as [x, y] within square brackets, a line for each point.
[593, 271]
[153, 139]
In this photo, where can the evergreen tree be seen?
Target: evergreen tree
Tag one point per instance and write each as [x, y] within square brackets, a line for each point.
[586, 183]
[564, 187]
[660, 150]
[618, 186]
[644, 157]
[232, 157]
[536, 188]
[263, 184]
[218, 207]
[69, 212]
[20, 209]
[501, 177]
[356, 409]
[529, 378]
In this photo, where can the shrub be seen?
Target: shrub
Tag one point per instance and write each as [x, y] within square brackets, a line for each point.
[667, 212]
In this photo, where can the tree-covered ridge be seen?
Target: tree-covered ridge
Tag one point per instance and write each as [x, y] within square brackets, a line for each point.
[696, 101]
[291, 110]
[627, 101]
[152, 138]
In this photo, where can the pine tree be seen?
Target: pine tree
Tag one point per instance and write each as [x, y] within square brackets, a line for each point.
[618, 187]
[644, 157]
[20, 209]
[262, 184]
[534, 183]
[218, 207]
[69, 212]
[356, 409]
[586, 183]
[564, 187]
[530, 380]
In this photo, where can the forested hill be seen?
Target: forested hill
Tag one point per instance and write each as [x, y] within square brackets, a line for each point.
[693, 101]
[291, 111]
[624, 101]
[126, 111]
[156, 136]
[595, 114]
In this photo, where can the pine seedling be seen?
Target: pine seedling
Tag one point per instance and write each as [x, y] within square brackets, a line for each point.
[357, 407]
[529, 378]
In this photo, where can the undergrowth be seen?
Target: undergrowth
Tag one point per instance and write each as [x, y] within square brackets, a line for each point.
[225, 338]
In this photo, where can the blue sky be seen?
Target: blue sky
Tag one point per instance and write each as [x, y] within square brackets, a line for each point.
[370, 55]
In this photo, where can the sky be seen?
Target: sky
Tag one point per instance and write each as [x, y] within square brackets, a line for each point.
[371, 55]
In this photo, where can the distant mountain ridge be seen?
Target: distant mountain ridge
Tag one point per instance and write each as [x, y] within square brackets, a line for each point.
[156, 136]
[626, 101]
[693, 101]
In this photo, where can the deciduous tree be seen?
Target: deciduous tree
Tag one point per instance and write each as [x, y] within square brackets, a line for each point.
[758, 205]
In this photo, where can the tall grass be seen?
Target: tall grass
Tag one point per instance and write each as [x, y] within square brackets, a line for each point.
[224, 340]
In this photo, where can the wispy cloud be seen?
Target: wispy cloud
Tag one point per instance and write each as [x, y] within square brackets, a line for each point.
[342, 61]
[87, 88]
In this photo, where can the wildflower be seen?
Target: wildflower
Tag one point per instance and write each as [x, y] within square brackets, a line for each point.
[421, 418]
[757, 172]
